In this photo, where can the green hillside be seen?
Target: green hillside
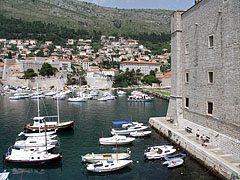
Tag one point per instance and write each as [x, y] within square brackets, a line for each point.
[82, 15]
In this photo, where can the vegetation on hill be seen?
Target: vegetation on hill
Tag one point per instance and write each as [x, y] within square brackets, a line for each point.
[78, 14]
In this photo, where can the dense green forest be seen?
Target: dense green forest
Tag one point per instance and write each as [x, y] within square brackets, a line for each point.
[11, 28]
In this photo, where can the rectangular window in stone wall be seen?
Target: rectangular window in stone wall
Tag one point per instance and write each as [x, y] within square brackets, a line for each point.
[210, 41]
[210, 108]
[186, 102]
[187, 45]
[210, 78]
[186, 77]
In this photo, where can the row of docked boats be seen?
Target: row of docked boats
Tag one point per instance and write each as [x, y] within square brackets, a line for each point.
[38, 140]
[109, 162]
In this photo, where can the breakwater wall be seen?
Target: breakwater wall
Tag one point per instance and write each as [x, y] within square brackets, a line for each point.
[155, 94]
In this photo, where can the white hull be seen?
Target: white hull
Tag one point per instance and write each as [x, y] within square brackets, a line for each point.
[173, 163]
[108, 166]
[129, 130]
[140, 133]
[119, 140]
[91, 158]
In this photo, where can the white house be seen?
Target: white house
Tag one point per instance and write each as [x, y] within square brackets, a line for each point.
[144, 66]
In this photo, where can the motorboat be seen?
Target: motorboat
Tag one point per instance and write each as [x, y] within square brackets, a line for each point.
[51, 93]
[4, 175]
[140, 133]
[121, 93]
[35, 142]
[92, 158]
[160, 153]
[37, 134]
[102, 99]
[174, 162]
[156, 148]
[77, 99]
[175, 156]
[116, 139]
[108, 165]
[15, 98]
[28, 157]
[128, 130]
[139, 98]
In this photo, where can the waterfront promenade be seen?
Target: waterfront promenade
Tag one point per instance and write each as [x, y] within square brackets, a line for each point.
[221, 162]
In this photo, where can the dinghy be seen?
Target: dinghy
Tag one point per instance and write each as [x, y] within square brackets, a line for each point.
[174, 163]
[175, 156]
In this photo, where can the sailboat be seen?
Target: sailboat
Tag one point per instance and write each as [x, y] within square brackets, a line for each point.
[108, 165]
[39, 122]
[28, 156]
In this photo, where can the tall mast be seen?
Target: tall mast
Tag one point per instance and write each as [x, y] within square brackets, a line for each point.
[58, 110]
[38, 102]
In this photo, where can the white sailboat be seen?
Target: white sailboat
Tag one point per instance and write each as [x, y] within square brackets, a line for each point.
[120, 140]
[28, 156]
[39, 122]
[108, 165]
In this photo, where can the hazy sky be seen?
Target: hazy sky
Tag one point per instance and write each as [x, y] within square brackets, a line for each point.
[144, 4]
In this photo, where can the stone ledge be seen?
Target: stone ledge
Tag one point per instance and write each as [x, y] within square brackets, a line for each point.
[205, 154]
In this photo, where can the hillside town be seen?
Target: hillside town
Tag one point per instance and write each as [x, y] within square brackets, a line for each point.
[79, 55]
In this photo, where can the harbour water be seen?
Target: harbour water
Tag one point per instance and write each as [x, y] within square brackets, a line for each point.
[93, 120]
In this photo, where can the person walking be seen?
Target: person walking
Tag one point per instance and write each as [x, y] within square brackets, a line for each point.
[197, 134]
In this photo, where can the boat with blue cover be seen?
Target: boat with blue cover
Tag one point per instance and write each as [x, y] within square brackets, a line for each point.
[174, 156]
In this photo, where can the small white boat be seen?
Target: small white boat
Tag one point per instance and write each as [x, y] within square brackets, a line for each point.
[156, 148]
[158, 152]
[92, 158]
[108, 166]
[51, 93]
[77, 99]
[140, 133]
[121, 93]
[4, 175]
[119, 140]
[15, 97]
[102, 99]
[128, 130]
[173, 163]
[38, 96]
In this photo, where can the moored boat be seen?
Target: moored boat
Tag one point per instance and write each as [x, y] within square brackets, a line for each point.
[28, 157]
[91, 158]
[159, 153]
[108, 166]
[174, 162]
[140, 133]
[175, 156]
[119, 140]
[4, 175]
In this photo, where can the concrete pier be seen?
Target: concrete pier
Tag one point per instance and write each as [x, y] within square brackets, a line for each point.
[222, 163]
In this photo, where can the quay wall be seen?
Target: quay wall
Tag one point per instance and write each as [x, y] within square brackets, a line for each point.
[207, 157]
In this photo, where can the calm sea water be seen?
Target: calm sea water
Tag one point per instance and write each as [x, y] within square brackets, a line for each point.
[93, 120]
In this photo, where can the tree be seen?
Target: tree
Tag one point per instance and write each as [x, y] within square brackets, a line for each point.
[29, 73]
[152, 73]
[9, 55]
[148, 79]
[47, 70]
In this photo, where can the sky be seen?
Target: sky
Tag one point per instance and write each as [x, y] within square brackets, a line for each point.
[144, 4]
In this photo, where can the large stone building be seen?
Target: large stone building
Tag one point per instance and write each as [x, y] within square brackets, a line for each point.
[205, 42]
[144, 66]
